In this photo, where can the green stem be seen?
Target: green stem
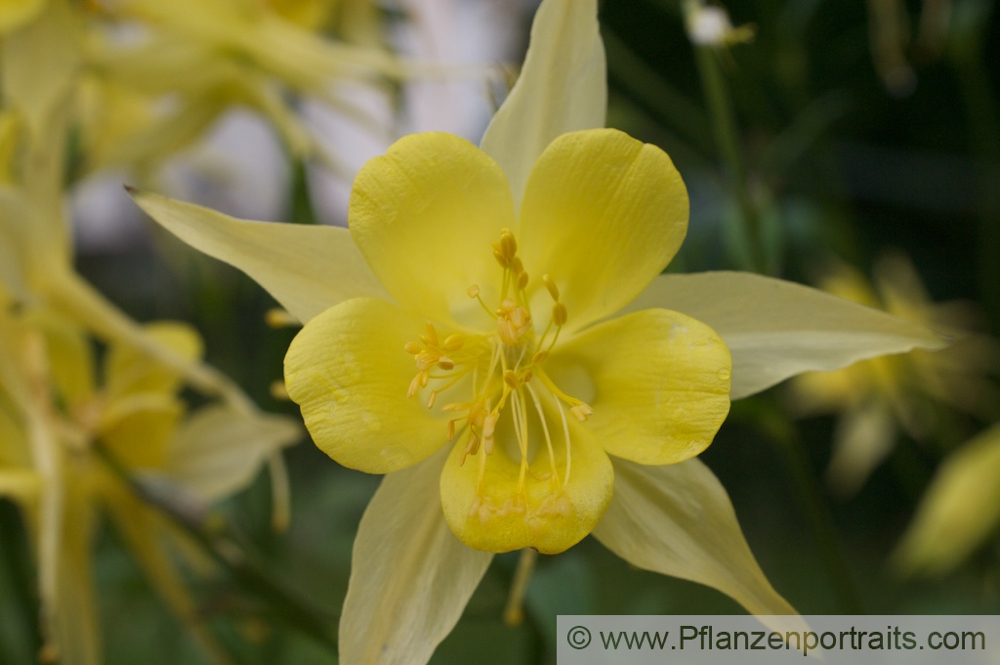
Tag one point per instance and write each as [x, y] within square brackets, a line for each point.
[289, 608]
[723, 117]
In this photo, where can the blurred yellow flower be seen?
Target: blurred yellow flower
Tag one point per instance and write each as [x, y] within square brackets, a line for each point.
[59, 428]
[516, 253]
[878, 397]
[959, 511]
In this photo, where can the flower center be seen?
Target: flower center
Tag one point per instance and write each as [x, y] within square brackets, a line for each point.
[506, 368]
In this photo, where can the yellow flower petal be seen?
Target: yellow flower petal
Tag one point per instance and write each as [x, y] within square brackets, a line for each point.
[219, 450]
[410, 576]
[549, 514]
[19, 484]
[128, 371]
[776, 329]
[603, 215]
[660, 384]
[424, 215]
[348, 371]
[677, 520]
[562, 88]
[70, 357]
[959, 510]
[306, 268]
[136, 429]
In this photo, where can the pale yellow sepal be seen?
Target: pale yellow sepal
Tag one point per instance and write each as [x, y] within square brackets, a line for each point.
[603, 214]
[776, 329]
[677, 520]
[424, 215]
[347, 370]
[410, 576]
[864, 436]
[548, 513]
[218, 450]
[562, 88]
[959, 510]
[660, 384]
[306, 268]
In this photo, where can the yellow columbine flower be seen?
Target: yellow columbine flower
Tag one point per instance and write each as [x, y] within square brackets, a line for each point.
[471, 294]
[495, 344]
[879, 397]
[53, 444]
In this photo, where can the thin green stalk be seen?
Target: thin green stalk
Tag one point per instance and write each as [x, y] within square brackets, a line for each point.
[289, 608]
[723, 117]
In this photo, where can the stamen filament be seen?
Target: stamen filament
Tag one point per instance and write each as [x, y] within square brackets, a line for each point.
[569, 448]
[545, 430]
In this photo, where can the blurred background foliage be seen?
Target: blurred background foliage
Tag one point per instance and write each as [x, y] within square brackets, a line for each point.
[841, 131]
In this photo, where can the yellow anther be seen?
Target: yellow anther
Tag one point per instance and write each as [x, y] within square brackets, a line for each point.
[432, 399]
[412, 348]
[453, 342]
[446, 363]
[473, 291]
[414, 386]
[526, 377]
[451, 430]
[550, 284]
[539, 357]
[430, 336]
[516, 266]
[508, 245]
[559, 314]
[278, 390]
[581, 412]
[510, 378]
[522, 281]
[279, 318]
[423, 379]
[498, 255]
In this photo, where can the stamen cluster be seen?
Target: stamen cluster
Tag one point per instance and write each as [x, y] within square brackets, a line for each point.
[506, 366]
